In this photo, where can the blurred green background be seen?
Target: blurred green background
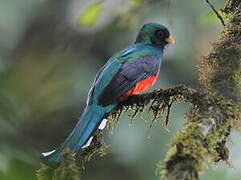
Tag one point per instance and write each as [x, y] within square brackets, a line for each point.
[50, 52]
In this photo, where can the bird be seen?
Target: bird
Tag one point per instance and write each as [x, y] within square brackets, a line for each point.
[128, 72]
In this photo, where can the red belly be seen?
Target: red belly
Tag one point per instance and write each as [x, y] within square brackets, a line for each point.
[142, 86]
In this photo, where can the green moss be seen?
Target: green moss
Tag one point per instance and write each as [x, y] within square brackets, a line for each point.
[231, 6]
[211, 118]
[72, 165]
[97, 146]
[68, 170]
[193, 146]
[183, 156]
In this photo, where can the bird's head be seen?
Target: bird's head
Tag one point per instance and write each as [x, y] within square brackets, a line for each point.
[156, 34]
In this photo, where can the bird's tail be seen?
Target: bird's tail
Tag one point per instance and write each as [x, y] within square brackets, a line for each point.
[81, 135]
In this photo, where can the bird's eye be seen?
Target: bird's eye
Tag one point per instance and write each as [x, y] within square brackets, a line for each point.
[160, 34]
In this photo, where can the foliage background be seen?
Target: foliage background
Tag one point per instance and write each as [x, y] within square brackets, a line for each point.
[49, 54]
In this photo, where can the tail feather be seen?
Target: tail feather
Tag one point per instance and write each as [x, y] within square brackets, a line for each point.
[88, 143]
[80, 136]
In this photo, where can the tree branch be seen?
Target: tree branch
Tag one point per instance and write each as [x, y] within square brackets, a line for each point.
[216, 12]
[209, 124]
[160, 102]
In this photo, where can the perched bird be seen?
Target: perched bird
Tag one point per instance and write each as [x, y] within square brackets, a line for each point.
[128, 72]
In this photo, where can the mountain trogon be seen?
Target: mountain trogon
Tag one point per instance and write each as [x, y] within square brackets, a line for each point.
[128, 72]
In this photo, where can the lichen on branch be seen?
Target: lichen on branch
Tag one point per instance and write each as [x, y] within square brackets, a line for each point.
[160, 102]
[68, 170]
[204, 136]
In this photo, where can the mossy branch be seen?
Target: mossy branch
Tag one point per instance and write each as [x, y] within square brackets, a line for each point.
[204, 136]
[160, 102]
[68, 170]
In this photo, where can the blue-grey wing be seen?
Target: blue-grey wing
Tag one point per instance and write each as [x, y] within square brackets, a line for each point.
[128, 75]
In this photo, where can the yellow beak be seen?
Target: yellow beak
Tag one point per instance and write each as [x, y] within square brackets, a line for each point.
[170, 40]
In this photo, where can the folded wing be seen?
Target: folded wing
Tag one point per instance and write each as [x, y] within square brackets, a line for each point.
[127, 77]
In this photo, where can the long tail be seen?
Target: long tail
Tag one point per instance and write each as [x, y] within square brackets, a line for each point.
[81, 134]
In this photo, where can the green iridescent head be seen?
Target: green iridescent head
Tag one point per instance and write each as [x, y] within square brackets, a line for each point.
[156, 34]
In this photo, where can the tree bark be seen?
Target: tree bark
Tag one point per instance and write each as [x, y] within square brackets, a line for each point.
[204, 136]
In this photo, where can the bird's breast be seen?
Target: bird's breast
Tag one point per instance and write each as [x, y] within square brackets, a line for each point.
[141, 86]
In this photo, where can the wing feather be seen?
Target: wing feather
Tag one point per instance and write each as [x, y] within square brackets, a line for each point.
[125, 79]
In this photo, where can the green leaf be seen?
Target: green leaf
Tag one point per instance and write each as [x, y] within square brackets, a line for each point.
[211, 17]
[90, 15]
[135, 2]
[208, 18]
